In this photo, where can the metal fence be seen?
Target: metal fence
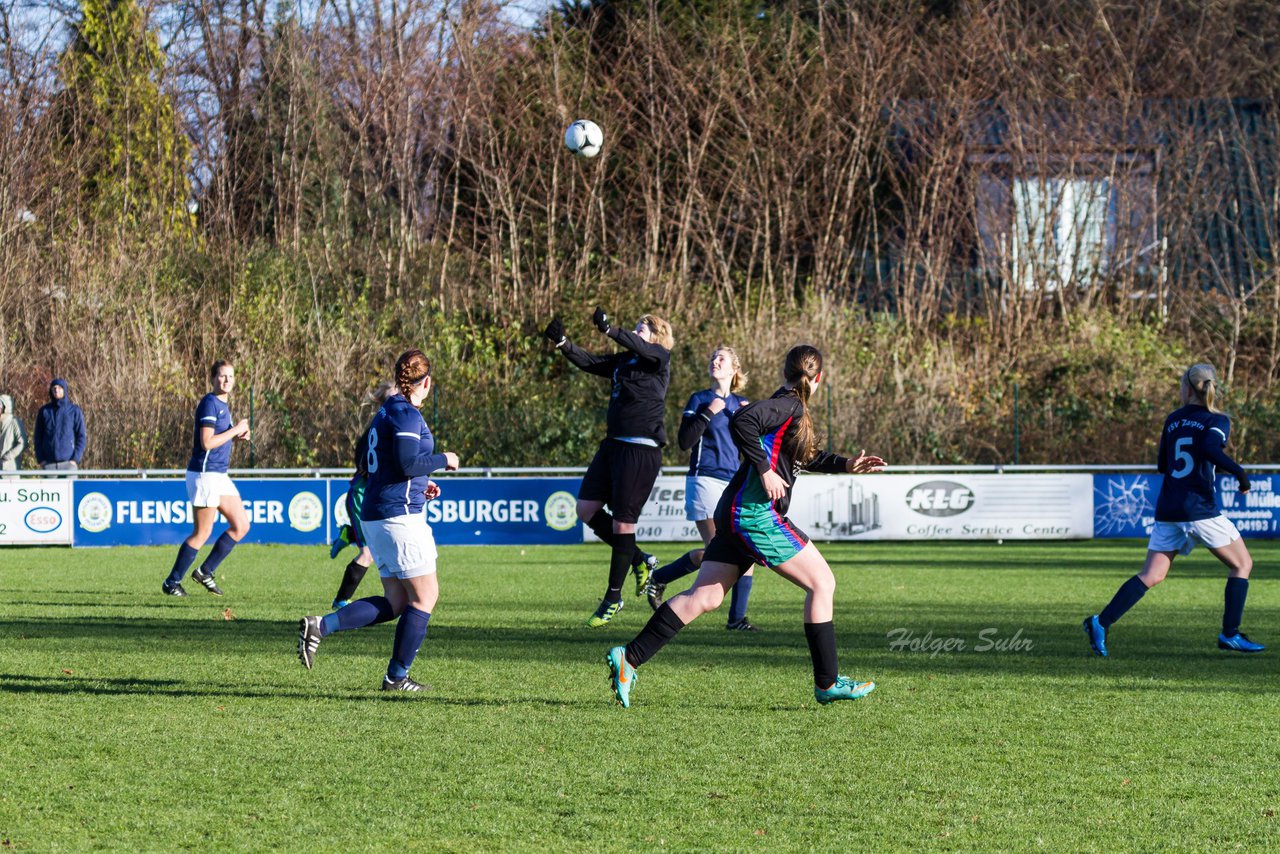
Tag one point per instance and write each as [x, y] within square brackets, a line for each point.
[569, 471]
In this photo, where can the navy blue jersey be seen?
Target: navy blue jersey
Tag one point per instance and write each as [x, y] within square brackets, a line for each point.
[1191, 446]
[400, 456]
[706, 436]
[211, 412]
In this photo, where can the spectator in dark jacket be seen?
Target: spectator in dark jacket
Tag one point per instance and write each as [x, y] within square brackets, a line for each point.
[60, 437]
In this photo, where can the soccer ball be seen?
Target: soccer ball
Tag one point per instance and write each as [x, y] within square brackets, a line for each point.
[584, 138]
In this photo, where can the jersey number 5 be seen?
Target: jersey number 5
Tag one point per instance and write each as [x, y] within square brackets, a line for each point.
[371, 458]
[1185, 463]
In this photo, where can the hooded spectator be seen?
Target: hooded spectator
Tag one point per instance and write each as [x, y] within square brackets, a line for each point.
[13, 437]
[60, 437]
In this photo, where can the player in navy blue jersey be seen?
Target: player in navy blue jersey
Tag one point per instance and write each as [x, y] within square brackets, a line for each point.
[777, 441]
[209, 489]
[351, 533]
[627, 463]
[1187, 512]
[713, 459]
[400, 455]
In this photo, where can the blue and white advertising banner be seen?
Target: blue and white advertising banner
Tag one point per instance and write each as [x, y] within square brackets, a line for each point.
[908, 507]
[495, 510]
[157, 512]
[35, 512]
[1124, 505]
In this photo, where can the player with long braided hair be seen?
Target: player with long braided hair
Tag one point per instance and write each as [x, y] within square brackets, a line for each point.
[627, 462]
[401, 455]
[776, 438]
[713, 459]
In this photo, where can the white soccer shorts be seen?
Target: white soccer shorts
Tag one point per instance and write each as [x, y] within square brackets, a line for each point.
[1181, 537]
[701, 495]
[402, 546]
[206, 488]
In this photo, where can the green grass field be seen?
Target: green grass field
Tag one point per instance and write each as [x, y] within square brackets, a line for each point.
[132, 720]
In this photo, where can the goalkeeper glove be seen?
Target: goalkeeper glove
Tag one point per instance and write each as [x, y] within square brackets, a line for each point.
[555, 332]
[600, 319]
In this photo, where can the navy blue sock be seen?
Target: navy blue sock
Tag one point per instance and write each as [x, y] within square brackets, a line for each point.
[624, 545]
[358, 614]
[221, 548]
[739, 598]
[410, 631]
[822, 650]
[186, 557]
[1126, 597]
[677, 569]
[1233, 605]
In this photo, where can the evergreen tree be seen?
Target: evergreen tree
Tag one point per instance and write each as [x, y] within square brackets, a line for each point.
[121, 157]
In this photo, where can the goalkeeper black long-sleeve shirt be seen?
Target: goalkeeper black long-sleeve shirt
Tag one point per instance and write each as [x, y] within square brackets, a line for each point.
[640, 375]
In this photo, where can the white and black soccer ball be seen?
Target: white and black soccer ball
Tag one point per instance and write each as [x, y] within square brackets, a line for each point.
[584, 138]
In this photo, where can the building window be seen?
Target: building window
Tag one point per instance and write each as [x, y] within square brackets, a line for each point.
[1063, 231]
[1068, 224]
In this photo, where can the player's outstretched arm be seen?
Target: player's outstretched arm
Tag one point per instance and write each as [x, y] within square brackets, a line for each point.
[590, 362]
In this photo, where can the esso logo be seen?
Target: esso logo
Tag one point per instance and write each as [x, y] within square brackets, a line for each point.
[42, 520]
[940, 498]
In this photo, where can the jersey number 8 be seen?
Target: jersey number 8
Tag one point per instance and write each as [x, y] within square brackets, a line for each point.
[371, 458]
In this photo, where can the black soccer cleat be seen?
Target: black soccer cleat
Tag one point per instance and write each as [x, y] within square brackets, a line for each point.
[405, 684]
[648, 563]
[308, 640]
[172, 589]
[206, 578]
[653, 591]
[743, 625]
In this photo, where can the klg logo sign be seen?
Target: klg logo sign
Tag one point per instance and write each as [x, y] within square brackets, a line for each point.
[940, 498]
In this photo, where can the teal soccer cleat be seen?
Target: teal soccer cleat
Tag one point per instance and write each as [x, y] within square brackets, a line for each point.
[1097, 635]
[843, 688]
[1239, 643]
[621, 674]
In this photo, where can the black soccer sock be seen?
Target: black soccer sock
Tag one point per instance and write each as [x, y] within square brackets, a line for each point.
[677, 569]
[822, 649]
[619, 565]
[601, 525]
[1126, 597]
[1233, 605]
[351, 579]
[661, 628]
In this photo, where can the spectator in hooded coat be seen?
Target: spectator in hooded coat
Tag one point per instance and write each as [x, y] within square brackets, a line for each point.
[60, 436]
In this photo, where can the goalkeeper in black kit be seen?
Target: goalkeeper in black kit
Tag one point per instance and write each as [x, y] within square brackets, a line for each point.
[622, 473]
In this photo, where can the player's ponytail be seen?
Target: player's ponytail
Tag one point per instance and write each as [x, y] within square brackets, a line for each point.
[1201, 382]
[411, 368]
[739, 381]
[801, 369]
